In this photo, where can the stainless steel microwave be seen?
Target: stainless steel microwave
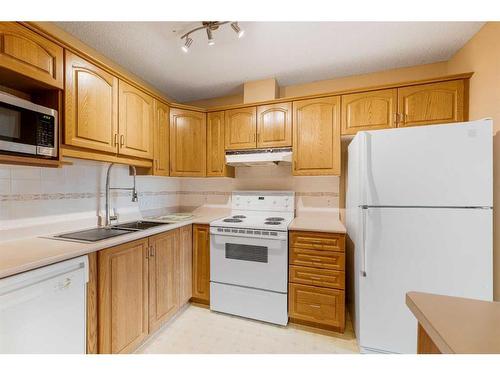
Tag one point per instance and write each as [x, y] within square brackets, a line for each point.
[27, 128]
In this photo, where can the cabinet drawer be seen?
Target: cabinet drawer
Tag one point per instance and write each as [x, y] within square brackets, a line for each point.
[317, 277]
[317, 305]
[317, 258]
[317, 241]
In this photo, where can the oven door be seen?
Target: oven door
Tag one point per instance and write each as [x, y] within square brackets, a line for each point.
[252, 262]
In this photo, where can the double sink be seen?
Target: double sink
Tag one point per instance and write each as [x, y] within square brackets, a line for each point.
[102, 233]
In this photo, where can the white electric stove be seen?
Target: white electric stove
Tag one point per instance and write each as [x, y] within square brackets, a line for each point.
[249, 256]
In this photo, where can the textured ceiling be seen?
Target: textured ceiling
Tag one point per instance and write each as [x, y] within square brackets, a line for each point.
[292, 52]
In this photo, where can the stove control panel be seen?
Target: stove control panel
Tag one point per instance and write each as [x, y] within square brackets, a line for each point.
[279, 201]
[243, 232]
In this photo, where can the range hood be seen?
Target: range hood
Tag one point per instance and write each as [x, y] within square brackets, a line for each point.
[259, 157]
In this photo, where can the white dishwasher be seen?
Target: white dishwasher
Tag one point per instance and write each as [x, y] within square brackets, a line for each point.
[44, 310]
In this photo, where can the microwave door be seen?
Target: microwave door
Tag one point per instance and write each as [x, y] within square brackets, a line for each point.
[18, 130]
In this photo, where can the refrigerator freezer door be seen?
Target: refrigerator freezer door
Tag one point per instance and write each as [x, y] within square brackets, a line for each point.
[441, 165]
[442, 251]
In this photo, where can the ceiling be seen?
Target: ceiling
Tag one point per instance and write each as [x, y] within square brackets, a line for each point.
[291, 52]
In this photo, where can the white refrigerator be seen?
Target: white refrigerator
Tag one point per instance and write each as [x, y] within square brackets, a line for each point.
[419, 217]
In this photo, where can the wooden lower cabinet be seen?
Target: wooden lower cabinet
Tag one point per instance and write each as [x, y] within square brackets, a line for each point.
[123, 297]
[316, 290]
[163, 278]
[140, 286]
[201, 263]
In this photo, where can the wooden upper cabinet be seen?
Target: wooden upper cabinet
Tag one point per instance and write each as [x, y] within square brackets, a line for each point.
[241, 128]
[186, 264]
[91, 106]
[433, 103]
[370, 110]
[201, 263]
[123, 297]
[26, 53]
[136, 122]
[161, 161]
[187, 143]
[274, 125]
[316, 136]
[216, 163]
[163, 278]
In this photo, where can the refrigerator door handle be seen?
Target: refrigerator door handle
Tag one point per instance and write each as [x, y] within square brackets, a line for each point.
[363, 240]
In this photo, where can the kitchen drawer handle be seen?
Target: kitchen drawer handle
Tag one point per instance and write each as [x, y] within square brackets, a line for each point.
[316, 259]
[315, 277]
[314, 305]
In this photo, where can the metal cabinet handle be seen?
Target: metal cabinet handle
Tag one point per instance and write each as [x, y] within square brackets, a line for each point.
[122, 140]
[115, 139]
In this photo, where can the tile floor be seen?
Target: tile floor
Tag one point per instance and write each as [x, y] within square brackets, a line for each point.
[197, 330]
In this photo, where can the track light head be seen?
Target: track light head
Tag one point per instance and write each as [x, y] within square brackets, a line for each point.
[210, 35]
[187, 44]
[237, 29]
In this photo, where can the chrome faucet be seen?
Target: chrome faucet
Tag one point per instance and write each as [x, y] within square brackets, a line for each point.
[110, 217]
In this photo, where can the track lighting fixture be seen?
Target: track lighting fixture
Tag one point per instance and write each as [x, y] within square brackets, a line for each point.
[210, 27]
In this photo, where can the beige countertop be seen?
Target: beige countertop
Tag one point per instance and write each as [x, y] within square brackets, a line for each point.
[457, 325]
[317, 221]
[25, 254]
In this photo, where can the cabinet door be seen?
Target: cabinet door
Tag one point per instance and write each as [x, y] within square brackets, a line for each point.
[91, 106]
[24, 52]
[369, 111]
[187, 143]
[241, 128]
[433, 103]
[161, 162]
[216, 163]
[123, 297]
[316, 137]
[163, 278]
[201, 263]
[186, 264]
[274, 125]
[136, 122]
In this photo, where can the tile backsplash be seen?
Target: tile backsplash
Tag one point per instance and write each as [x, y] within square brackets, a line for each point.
[27, 192]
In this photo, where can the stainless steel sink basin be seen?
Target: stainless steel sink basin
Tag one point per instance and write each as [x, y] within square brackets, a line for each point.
[138, 225]
[94, 235]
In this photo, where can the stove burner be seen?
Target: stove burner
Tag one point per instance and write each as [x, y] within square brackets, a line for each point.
[275, 219]
[231, 220]
[272, 223]
[239, 217]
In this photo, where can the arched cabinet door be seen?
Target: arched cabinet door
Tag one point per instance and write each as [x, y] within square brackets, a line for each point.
[316, 137]
[136, 122]
[433, 103]
[274, 125]
[188, 134]
[91, 106]
[370, 110]
[30, 55]
[241, 128]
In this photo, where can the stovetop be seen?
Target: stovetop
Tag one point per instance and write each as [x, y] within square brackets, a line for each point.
[265, 210]
[268, 220]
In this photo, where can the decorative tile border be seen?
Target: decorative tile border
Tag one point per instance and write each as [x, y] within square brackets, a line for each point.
[69, 196]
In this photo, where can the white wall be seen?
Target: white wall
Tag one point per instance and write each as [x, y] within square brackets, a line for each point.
[310, 192]
[28, 192]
